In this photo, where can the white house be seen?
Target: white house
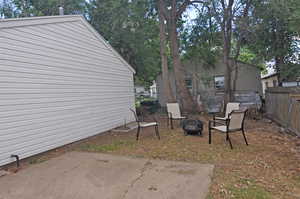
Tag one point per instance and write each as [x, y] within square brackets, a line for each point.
[60, 82]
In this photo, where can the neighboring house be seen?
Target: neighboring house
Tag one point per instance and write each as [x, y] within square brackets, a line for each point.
[60, 82]
[269, 81]
[139, 89]
[206, 83]
[153, 90]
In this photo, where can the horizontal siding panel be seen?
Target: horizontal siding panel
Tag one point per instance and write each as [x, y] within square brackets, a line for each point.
[28, 47]
[26, 38]
[79, 131]
[30, 35]
[52, 76]
[58, 84]
[48, 123]
[51, 62]
[35, 55]
[72, 33]
[59, 69]
[36, 108]
[23, 120]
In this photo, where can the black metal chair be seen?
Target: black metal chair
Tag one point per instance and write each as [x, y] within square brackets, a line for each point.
[142, 124]
[234, 123]
[174, 113]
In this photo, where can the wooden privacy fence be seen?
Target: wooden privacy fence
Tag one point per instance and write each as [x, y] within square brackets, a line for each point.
[283, 107]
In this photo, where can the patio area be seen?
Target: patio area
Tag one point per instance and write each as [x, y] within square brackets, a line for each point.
[267, 168]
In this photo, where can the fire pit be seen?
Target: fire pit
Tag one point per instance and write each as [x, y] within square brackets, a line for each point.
[192, 127]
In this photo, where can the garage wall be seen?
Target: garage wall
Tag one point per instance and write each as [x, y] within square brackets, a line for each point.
[59, 83]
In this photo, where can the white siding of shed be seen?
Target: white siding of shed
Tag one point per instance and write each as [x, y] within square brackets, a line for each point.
[59, 82]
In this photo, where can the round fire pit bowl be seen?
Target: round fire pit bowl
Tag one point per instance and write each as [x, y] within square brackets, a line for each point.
[192, 127]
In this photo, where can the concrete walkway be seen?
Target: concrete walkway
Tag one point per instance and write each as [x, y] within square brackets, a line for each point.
[79, 175]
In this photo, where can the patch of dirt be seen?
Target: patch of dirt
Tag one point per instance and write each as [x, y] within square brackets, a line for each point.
[269, 167]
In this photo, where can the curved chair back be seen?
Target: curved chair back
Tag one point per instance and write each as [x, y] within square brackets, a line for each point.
[231, 106]
[236, 119]
[174, 109]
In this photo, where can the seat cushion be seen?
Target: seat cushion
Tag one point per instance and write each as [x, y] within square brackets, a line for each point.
[220, 128]
[146, 124]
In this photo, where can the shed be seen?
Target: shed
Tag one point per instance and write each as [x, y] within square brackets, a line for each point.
[60, 82]
[206, 83]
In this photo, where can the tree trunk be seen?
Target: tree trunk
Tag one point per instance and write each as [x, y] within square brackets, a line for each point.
[164, 61]
[279, 62]
[244, 26]
[227, 31]
[188, 104]
[226, 57]
[235, 65]
[236, 74]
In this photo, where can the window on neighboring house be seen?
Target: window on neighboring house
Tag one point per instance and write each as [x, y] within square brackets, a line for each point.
[189, 83]
[219, 82]
[267, 84]
[274, 83]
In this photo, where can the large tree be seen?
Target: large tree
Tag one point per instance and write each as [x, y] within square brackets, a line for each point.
[274, 35]
[172, 11]
[167, 90]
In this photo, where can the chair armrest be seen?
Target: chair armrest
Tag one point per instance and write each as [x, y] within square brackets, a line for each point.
[217, 115]
[215, 122]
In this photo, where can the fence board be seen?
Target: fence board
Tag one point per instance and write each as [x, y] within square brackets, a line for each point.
[283, 106]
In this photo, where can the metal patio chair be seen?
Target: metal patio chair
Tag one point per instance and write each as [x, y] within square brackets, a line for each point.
[231, 106]
[234, 123]
[142, 124]
[173, 113]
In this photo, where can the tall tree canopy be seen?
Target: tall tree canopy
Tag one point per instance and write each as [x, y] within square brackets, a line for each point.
[255, 31]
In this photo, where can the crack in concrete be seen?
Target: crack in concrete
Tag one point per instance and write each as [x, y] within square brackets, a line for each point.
[142, 173]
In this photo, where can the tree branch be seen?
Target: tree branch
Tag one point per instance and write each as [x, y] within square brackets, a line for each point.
[184, 5]
[163, 10]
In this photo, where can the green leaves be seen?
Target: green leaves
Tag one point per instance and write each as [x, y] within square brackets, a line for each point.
[132, 29]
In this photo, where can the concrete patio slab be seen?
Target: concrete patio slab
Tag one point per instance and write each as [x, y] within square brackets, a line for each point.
[80, 175]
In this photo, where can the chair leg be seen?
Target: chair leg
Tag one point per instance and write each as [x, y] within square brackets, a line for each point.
[168, 122]
[171, 120]
[244, 137]
[228, 138]
[138, 133]
[209, 135]
[157, 132]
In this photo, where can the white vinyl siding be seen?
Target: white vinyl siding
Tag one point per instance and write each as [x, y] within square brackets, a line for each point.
[59, 83]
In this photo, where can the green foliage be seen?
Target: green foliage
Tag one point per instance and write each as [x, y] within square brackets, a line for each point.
[108, 147]
[132, 29]
[201, 40]
[272, 37]
[249, 192]
[247, 56]
[7, 9]
[26, 8]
